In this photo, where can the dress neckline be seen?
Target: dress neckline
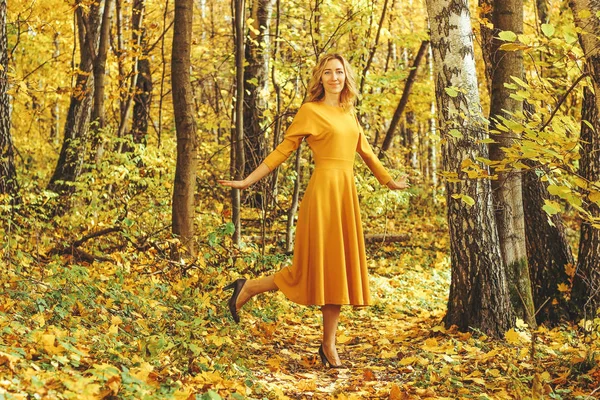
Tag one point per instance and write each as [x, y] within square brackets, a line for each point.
[330, 106]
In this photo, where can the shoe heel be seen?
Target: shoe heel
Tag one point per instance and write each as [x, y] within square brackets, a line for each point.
[230, 286]
[324, 359]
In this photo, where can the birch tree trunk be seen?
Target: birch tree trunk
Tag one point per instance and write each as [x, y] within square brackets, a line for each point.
[75, 145]
[8, 174]
[508, 197]
[586, 284]
[479, 296]
[183, 107]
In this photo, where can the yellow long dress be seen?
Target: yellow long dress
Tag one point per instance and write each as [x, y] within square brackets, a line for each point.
[329, 264]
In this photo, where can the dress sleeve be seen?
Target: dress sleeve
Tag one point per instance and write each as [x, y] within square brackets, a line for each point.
[364, 149]
[300, 128]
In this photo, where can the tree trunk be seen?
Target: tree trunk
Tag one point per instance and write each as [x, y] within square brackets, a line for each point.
[183, 107]
[99, 73]
[548, 251]
[100, 67]
[389, 136]
[8, 174]
[76, 137]
[237, 137]
[585, 295]
[278, 117]
[507, 188]
[586, 284]
[143, 92]
[479, 297]
[256, 78]
[367, 67]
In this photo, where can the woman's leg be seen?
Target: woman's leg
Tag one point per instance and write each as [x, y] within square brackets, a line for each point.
[252, 287]
[331, 315]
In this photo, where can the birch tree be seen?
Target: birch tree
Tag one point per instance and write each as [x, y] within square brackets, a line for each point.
[479, 295]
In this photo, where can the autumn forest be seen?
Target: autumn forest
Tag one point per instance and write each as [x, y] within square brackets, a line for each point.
[118, 117]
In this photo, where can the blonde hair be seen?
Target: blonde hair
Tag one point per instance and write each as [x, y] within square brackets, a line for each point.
[316, 92]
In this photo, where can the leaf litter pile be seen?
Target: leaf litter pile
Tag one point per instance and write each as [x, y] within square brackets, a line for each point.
[138, 326]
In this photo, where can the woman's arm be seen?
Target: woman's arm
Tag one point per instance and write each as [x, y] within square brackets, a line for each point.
[260, 172]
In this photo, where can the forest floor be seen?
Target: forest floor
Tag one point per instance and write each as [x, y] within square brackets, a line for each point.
[135, 326]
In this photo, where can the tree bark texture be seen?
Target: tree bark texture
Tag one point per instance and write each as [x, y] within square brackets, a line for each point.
[389, 136]
[255, 83]
[8, 174]
[143, 92]
[183, 107]
[100, 67]
[75, 145]
[479, 297]
[548, 252]
[585, 295]
[507, 188]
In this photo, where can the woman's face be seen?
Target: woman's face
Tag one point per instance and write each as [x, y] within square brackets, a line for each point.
[333, 77]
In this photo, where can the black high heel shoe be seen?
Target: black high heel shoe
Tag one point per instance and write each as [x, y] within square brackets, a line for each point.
[326, 361]
[237, 286]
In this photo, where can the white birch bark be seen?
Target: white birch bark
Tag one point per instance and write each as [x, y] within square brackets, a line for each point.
[478, 292]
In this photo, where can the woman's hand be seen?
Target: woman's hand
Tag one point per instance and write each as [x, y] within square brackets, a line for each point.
[260, 172]
[401, 183]
[234, 184]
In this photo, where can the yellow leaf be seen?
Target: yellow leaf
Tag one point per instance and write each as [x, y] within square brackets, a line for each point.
[563, 287]
[407, 361]
[48, 344]
[511, 336]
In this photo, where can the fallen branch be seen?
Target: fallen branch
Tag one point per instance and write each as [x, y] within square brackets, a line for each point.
[74, 250]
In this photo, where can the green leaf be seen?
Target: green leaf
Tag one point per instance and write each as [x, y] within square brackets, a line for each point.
[451, 91]
[211, 395]
[507, 36]
[548, 29]
[583, 14]
[519, 81]
[468, 200]
[455, 133]
[488, 140]
[569, 38]
[551, 207]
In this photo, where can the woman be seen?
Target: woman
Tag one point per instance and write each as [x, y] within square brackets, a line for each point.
[329, 266]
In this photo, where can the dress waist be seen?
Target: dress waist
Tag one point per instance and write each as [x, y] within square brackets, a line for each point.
[333, 163]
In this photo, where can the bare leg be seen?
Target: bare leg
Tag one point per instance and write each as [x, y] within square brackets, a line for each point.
[331, 315]
[252, 287]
